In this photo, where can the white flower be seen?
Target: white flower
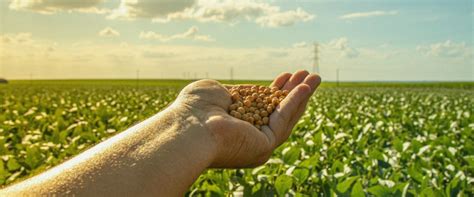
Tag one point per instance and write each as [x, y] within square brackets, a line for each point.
[387, 183]
[450, 167]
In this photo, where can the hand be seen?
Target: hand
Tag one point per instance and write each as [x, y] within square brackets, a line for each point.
[239, 143]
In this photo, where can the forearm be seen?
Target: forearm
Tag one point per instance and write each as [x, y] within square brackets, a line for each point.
[162, 155]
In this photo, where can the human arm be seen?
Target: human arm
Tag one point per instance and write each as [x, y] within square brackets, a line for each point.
[166, 153]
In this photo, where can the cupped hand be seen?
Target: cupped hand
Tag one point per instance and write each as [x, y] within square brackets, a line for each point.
[239, 143]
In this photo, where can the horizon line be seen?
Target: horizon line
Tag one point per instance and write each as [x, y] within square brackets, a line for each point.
[180, 79]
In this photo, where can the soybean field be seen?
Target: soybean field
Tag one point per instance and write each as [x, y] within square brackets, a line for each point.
[355, 139]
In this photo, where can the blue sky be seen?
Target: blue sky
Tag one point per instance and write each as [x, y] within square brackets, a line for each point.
[365, 40]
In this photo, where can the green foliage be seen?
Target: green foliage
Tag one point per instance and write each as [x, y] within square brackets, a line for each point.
[351, 141]
[42, 127]
[283, 183]
[357, 190]
[346, 184]
[372, 142]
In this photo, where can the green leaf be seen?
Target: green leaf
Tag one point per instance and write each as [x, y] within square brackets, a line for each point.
[398, 144]
[337, 166]
[283, 183]
[357, 190]
[33, 157]
[427, 192]
[12, 164]
[310, 162]
[256, 189]
[301, 195]
[346, 184]
[416, 145]
[292, 155]
[415, 175]
[379, 190]
[214, 188]
[2, 165]
[400, 189]
[375, 154]
[318, 139]
[3, 173]
[453, 187]
[470, 160]
[301, 174]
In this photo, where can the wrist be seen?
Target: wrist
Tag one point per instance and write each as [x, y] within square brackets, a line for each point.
[174, 151]
[190, 123]
[185, 126]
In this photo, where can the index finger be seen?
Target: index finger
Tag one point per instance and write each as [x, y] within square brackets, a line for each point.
[281, 118]
[281, 80]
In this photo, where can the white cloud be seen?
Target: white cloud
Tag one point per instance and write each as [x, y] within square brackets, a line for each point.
[446, 49]
[341, 46]
[287, 18]
[12, 45]
[108, 32]
[53, 6]
[300, 45]
[86, 59]
[191, 33]
[132, 9]
[226, 11]
[356, 15]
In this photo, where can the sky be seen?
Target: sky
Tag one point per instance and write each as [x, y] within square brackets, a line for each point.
[365, 40]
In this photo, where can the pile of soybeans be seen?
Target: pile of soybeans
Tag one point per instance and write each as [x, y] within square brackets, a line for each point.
[254, 103]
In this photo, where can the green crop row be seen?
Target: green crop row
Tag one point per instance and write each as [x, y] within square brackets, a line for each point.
[357, 141]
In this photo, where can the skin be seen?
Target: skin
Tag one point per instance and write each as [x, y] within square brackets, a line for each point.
[166, 153]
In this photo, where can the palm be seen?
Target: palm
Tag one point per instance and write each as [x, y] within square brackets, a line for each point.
[242, 144]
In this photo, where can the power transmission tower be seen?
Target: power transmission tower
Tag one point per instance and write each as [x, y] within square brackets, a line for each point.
[316, 58]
